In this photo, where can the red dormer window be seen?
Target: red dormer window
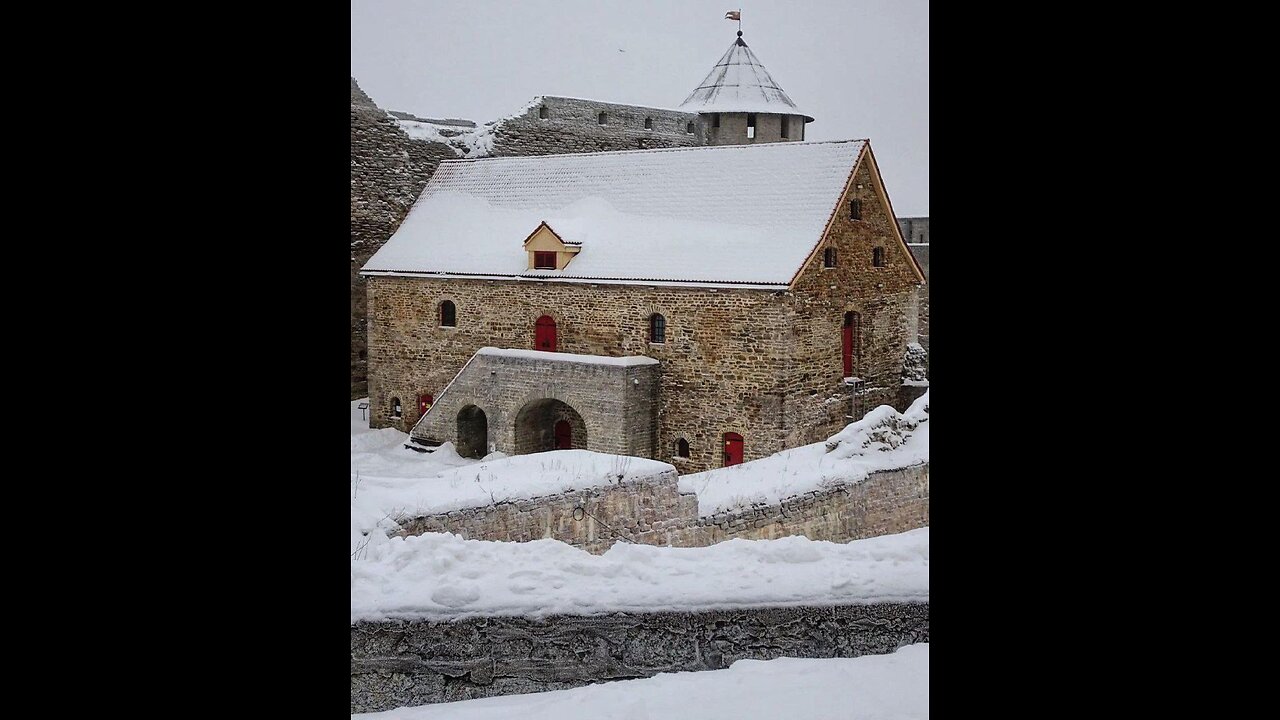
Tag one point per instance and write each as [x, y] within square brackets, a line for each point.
[544, 261]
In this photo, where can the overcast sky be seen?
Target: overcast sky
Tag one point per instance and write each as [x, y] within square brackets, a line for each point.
[860, 67]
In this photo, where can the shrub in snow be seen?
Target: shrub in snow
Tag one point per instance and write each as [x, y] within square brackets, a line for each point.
[913, 363]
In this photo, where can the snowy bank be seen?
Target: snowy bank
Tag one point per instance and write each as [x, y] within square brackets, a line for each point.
[389, 480]
[443, 576]
[882, 440]
[871, 687]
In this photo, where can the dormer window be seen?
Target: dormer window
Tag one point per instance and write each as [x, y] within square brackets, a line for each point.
[547, 250]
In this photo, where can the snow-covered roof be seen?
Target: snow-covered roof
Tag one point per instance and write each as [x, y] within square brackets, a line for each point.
[744, 215]
[739, 83]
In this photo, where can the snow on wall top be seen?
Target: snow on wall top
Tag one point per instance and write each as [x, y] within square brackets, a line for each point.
[882, 440]
[739, 83]
[727, 214]
[629, 361]
[443, 576]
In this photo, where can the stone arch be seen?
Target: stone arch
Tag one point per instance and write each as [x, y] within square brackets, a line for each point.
[473, 432]
[535, 428]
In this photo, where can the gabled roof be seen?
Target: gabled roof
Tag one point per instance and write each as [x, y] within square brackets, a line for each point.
[736, 214]
[739, 83]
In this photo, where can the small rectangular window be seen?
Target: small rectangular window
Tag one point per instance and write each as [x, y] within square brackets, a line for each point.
[829, 258]
[715, 120]
[751, 125]
[855, 209]
[877, 257]
[784, 126]
[544, 261]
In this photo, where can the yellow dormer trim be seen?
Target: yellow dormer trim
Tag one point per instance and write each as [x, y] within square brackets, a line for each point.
[545, 239]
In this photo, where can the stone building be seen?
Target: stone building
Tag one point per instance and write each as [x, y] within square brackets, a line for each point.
[770, 283]
[693, 285]
[393, 154]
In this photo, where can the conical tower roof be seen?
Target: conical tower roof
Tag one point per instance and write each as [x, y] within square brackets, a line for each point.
[739, 83]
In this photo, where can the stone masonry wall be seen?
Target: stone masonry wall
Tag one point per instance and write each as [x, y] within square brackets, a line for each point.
[655, 513]
[626, 510]
[403, 663]
[921, 254]
[388, 172]
[573, 126]
[915, 230]
[819, 404]
[721, 364]
[616, 403]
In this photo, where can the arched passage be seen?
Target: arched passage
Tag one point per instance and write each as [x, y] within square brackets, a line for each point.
[548, 424]
[473, 432]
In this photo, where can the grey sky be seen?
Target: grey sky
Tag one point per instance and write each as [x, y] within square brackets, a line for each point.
[860, 67]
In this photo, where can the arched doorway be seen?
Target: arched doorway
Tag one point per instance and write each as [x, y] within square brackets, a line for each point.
[732, 449]
[473, 432]
[547, 424]
[544, 334]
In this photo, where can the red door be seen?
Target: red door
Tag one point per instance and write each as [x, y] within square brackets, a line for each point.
[544, 336]
[732, 449]
[850, 332]
[424, 404]
[564, 436]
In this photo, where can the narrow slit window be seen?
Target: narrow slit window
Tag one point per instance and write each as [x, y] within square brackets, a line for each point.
[543, 113]
[715, 120]
[855, 209]
[604, 118]
[544, 261]
[829, 257]
[689, 128]
[784, 126]
[648, 123]
[751, 125]
[877, 257]
[448, 314]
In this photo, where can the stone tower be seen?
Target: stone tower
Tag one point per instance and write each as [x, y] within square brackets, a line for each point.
[740, 104]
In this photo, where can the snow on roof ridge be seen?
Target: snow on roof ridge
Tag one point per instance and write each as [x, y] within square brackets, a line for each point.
[655, 150]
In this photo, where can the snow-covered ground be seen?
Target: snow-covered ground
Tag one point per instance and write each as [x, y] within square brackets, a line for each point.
[388, 479]
[871, 687]
[441, 575]
[882, 440]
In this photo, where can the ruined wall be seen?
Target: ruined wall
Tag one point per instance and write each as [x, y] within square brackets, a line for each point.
[406, 663]
[388, 171]
[655, 513]
[819, 404]
[625, 510]
[573, 126]
[720, 365]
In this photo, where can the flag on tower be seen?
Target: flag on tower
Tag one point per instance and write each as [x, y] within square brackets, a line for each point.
[733, 15]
